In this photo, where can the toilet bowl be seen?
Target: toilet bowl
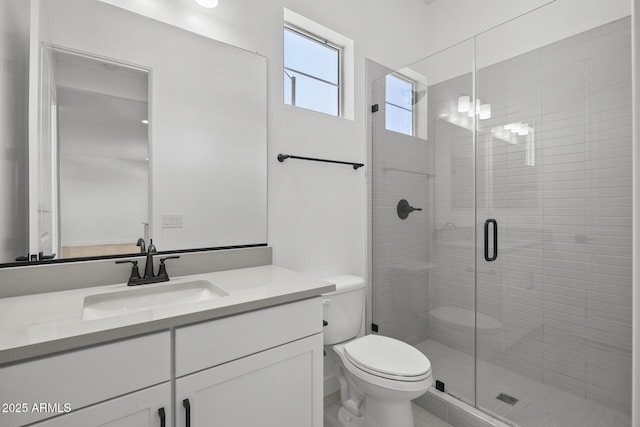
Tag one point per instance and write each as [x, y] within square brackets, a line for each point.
[378, 375]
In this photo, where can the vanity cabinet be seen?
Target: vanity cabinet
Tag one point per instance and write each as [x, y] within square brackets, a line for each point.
[52, 386]
[274, 388]
[262, 368]
[258, 368]
[146, 408]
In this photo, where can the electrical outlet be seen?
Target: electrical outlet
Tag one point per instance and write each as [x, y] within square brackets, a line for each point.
[172, 221]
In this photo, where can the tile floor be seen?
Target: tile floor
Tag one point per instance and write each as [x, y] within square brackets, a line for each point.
[422, 417]
[540, 405]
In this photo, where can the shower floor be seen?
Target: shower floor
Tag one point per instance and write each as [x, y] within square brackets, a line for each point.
[539, 405]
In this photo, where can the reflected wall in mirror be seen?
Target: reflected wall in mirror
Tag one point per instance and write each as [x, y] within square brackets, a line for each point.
[97, 202]
[193, 177]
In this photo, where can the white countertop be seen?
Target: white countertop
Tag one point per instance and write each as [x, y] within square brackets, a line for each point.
[41, 324]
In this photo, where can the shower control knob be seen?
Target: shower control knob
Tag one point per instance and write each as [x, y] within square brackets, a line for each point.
[404, 209]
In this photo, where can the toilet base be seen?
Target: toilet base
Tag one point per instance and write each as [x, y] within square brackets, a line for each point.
[379, 414]
[384, 413]
[348, 420]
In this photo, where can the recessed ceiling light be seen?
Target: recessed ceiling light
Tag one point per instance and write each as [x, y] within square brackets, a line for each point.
[207, 3]
[146, 122]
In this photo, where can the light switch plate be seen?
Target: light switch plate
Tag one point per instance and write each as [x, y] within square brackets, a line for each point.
[172, 221]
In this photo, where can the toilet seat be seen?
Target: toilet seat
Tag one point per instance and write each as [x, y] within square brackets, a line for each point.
[388, 358]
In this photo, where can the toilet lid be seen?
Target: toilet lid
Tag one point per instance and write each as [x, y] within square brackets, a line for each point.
[387, 356]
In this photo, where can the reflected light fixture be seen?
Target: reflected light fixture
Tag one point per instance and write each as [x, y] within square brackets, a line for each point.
[473, 108]
[484, 111]
[524, 129]
[145, 122]
[209, 4]
[512, 131]
[465, 105]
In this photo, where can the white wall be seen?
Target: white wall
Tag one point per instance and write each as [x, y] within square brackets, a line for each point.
[103, 150]
[635, 31]
[46, 174]
[317, 212]
[331, 222]
[14, 40]
[104, 174]
[452, 21]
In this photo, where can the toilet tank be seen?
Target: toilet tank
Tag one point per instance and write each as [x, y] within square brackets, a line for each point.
[343, 309]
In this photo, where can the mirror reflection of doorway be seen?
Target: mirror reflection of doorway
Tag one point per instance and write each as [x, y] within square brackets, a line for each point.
[94, 156]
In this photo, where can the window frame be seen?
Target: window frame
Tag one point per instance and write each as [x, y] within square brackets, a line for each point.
[327, 44]
[413, 84]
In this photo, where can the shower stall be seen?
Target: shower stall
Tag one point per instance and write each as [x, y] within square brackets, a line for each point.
[511, 269]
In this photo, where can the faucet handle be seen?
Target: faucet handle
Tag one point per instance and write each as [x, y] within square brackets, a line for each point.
[135, 273]
[162, 271]
[162, 260]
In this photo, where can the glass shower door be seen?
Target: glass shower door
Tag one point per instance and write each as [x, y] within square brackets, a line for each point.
[423, 272]
[553, 204]
[509, 230]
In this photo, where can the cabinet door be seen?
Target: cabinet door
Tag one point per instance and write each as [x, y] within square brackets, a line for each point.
[140, 409]
[280, 387]
[84, 377]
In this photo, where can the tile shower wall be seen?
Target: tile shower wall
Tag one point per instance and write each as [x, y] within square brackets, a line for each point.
[556, 306]
[400, 250]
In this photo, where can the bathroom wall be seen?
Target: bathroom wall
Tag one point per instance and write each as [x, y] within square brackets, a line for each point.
[451, 21]
[401, 168]
[317, 212]
[635, 31]
[101, 174]
[561, 290]
[14, 39]
[104, 179]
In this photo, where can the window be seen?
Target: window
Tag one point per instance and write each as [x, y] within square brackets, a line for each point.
[399, 104]
[311, 72]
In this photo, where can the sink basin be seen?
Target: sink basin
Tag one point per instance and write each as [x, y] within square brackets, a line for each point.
[147, 297]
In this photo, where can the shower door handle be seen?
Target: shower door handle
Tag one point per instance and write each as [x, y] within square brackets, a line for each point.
[486, 240]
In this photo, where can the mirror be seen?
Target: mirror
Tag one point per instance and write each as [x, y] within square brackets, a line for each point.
[132, 129]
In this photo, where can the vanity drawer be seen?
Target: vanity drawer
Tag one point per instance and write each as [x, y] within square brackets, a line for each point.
[76, 379]
[219, 341]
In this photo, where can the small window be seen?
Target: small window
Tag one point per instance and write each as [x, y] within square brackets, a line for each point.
[311, 73]
[399, 104]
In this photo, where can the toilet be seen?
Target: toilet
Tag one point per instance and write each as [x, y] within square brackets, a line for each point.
[378, 375]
